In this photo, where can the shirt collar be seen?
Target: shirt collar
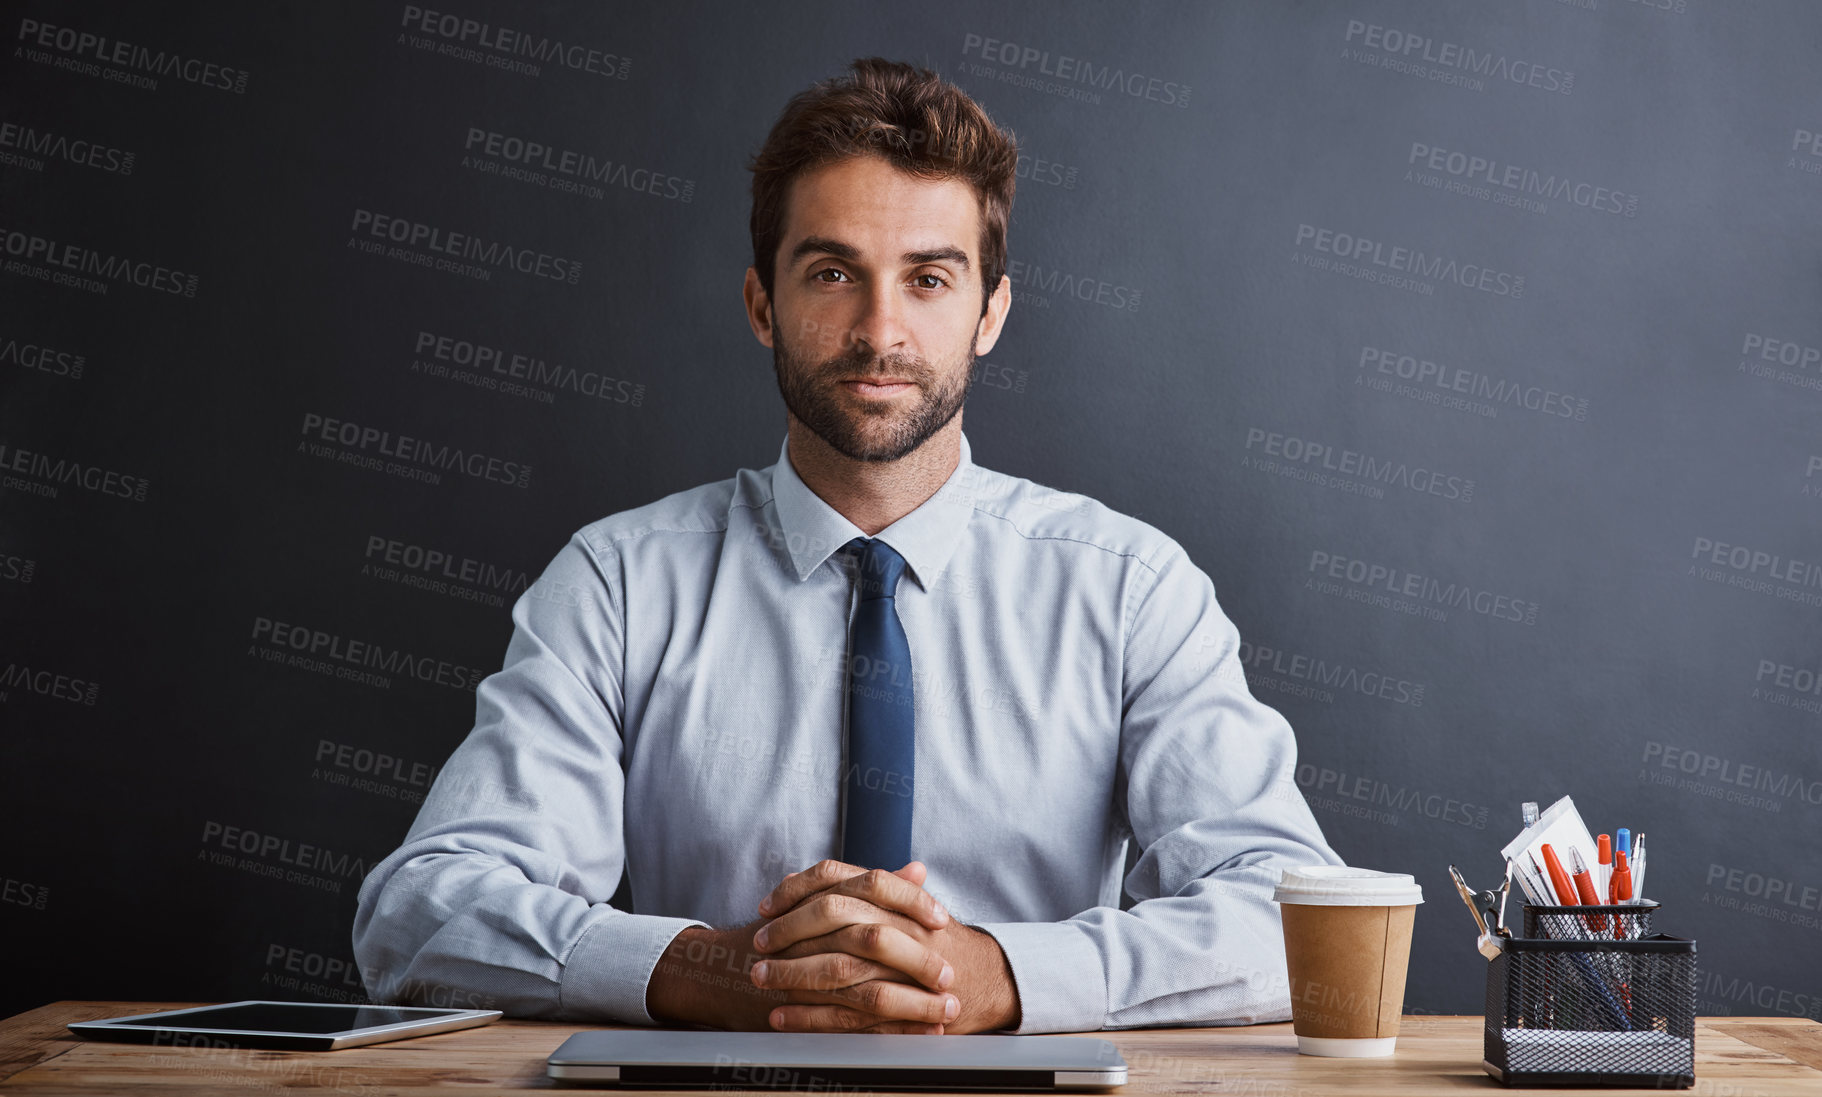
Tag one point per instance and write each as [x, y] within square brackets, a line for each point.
[813, 530]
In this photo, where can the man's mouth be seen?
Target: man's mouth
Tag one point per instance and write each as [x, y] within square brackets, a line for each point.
[878, 386]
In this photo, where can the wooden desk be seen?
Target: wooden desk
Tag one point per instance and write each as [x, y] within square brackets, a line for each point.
[1735, 1057]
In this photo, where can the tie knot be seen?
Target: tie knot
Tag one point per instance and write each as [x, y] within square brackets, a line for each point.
[878, 567]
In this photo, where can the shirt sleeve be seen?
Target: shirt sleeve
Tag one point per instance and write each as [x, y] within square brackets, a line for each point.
[498, 897]
[1208, 779]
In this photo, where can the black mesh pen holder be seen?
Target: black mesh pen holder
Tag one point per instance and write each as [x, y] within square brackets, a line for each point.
[1591, 1010]
[1619, 923]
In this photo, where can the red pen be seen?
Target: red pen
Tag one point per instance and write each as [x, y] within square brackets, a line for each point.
[1559, 880]
[1603, 854]
[1584, 887]
[1622, 889]
[1622, 877]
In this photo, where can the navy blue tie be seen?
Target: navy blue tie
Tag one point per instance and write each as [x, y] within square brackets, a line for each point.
[876, 832]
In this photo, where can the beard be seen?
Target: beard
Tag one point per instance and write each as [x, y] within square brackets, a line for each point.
[869, 431]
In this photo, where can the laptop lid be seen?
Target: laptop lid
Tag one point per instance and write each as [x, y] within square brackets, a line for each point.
[697, 1058]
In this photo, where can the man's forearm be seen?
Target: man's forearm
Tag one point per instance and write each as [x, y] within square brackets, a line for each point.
[703, 979]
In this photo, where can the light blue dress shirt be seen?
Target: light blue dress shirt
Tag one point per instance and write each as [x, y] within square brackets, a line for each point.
[672, 705]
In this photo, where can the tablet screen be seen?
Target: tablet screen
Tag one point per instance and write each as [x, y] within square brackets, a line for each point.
[278, 1017]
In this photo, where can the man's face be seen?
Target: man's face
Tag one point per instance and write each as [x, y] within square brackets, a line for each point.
[876, 305]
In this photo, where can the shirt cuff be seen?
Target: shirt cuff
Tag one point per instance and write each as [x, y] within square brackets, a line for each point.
[606, 974]
[1062, 986]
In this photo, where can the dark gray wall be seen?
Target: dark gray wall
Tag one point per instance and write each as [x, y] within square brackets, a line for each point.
[1472, 349]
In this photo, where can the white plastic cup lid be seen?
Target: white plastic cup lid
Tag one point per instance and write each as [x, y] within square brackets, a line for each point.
[1346, 886]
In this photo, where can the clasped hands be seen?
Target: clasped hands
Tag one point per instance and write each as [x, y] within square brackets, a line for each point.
[840, 948]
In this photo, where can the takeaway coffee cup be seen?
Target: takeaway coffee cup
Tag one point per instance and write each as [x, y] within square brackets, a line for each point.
[1347, 941]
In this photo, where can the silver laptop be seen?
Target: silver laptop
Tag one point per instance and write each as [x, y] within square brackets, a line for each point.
[833, 1062]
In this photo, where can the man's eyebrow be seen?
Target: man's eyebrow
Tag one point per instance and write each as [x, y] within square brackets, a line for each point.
[937, 255]
[822, 245]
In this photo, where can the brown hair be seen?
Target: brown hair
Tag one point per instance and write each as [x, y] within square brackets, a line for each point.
[918, 121]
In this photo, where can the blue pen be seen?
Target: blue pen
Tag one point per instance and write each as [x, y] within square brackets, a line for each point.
[1622, 843]
[1616, 1012]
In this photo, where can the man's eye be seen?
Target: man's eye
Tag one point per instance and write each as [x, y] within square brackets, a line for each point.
[935, 281]
[827, 270]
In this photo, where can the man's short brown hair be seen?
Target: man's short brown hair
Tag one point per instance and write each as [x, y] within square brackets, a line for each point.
[919, 122]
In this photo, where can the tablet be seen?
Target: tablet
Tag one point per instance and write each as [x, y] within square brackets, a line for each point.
[288, 1026]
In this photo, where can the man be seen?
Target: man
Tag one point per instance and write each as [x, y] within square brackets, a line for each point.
[762, 698]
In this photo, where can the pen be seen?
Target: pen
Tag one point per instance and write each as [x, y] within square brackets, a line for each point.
[1584, 889]
[1622, 891]
[1559, 880]
[1617, 1010]
[1603, 854]
[1638, 866]
[1622, 861]
[1542, 882]
[1499, 926]
[1529, 882]
[1622, 877]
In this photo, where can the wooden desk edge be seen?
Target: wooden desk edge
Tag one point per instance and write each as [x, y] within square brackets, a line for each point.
[37, 1036]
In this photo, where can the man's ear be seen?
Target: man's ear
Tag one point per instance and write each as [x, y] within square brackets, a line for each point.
[987, 332]
[759, 308]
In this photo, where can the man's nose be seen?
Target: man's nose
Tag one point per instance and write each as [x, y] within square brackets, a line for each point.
[881, 323]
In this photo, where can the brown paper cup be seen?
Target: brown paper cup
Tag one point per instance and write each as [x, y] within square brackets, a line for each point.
[1347, 959]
